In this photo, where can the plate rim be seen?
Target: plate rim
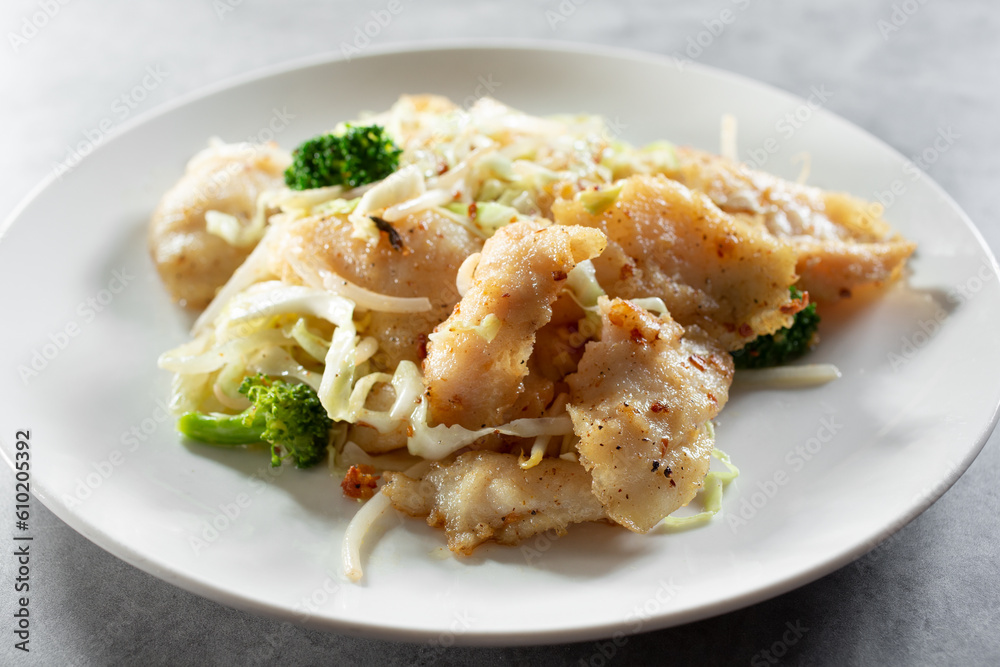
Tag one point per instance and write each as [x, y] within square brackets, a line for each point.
[570, 633]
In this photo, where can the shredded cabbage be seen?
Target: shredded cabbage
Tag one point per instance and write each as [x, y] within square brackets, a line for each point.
[401, 186]
[429, 199]
[711, 497]
[277, 362]
[363, 521]
[787, 377]
[582, 285]
[538, 448]
[466, 273]
[599, 200]
[654, 304]
[321, 277]
[491, 216]
[337, 206]
[487, 329]
[312, 343]
[437, 442]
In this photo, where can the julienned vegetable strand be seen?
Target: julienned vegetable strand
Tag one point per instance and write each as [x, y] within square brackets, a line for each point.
[289, 417]
[783, 345]
[359, 156]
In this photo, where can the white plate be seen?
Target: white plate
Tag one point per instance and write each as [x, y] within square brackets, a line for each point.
[827, 472]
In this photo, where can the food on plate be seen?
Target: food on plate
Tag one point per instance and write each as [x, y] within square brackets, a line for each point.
[504, 323]
[710, 269]
[356, 156]
[287, 416]
[207, 224]
[488, 495]
[641, 402]
[477, 359]
[785, 344]
[841, 242]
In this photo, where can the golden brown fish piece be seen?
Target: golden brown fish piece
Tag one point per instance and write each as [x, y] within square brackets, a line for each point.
[474, 377]
[193, 262]
[431, 249]
[842, 242]
[641, 401]
[487, 496]
[709, 268]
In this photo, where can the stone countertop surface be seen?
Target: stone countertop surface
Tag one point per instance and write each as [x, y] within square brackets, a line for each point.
[903, 70]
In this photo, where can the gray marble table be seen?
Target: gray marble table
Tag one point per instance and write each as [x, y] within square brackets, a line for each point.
[902, 69]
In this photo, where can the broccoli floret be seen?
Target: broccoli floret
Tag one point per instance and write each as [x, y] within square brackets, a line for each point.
[783, 345]
[289, 417]
[358, 156]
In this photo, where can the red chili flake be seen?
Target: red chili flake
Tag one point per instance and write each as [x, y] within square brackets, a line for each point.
[422, 346]
[360, 482]
[697, 361]
[746, 330]
[659, 407]
[558, 275]
[796, 305]
[637, 336]
[472, 210]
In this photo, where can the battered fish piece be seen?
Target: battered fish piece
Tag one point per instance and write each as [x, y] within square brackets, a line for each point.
[842, 242]
[487, 496]
[433, 247]
[474, 379]
[640, 402]
[709, 268]
[192, 262]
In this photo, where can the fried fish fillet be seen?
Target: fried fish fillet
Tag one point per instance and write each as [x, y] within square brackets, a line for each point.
[431, 248]
[709, 268]
[842, 243]
[475, 377]
[487, 496]
[640, 402]
[192, 262]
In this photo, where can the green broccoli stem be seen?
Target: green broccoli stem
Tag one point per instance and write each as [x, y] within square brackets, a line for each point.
[220, 429]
